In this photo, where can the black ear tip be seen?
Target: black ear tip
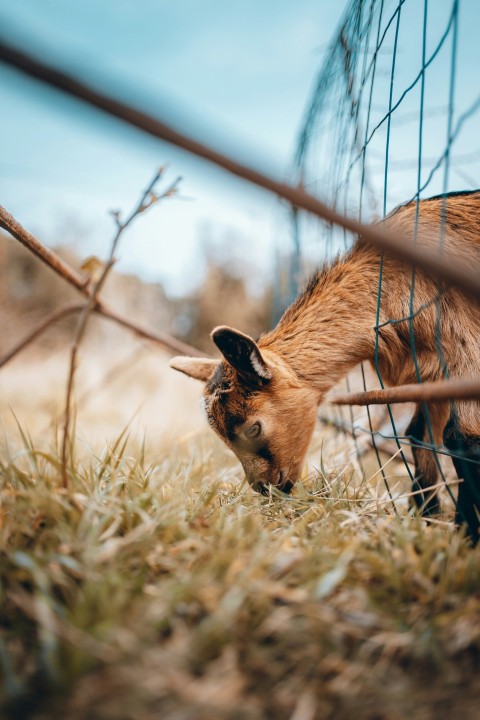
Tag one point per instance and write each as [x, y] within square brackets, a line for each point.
[220, 331]
[222, 336]
[241, 352]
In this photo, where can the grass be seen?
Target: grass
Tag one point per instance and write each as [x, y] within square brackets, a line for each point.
[160, 586]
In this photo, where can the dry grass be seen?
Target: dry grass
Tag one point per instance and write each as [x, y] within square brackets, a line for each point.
[160, 586]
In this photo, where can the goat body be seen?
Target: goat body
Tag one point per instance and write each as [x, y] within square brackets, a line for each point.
[262, 398]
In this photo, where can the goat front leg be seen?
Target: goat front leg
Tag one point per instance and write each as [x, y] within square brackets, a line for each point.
[465, 451]
[425, 432]
[426, 472]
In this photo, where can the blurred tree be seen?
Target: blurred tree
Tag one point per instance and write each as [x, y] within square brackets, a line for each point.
[233, 292]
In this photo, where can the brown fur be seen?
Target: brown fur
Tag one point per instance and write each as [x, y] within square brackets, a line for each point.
[330, 328]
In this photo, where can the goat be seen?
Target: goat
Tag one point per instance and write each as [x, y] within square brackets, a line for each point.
[262, 397]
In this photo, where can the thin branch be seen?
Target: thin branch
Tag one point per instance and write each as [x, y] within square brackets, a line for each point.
[438, 391]
[43, 325]
[444, 268]
[166, 341]
[9, 223]
[163, 339]
[53, 261]
[147, 199]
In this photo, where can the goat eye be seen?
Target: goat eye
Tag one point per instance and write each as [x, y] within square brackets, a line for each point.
[254, 430]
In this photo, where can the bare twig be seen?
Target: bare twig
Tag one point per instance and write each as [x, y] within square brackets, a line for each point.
[148, 199]
[43, 325]
[163, 339]
[460, 274]
[166, 341]
[52, 260]
[438, 391]
[9, 223]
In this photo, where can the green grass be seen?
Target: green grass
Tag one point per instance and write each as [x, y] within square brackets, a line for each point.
[160, 586]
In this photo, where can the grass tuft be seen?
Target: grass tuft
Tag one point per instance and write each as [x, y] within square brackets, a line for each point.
[160, 585]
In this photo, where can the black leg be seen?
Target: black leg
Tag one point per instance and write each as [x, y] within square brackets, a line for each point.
[467, 464]
[426, 471]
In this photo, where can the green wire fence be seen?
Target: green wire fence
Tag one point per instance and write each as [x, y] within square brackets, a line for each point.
[374, 101]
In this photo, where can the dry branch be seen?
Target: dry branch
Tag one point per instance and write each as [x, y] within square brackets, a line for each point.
[163, 339]
[53, 261]
[91, 289]
[461, 275]
[43, 325]
[147, 200]
[438, 391]
[9, 223]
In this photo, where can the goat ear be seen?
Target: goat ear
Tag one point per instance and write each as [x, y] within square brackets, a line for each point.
[241, 352]
[198, 368]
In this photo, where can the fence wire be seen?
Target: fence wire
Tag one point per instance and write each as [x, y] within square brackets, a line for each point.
[383, 129]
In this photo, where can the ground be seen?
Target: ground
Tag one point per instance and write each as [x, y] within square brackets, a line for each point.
[158, 585]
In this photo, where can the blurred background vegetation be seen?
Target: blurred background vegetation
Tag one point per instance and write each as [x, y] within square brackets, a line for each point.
[232, 291]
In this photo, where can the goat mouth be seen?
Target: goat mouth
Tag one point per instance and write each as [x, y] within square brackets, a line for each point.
[286, 487]
[283, 484]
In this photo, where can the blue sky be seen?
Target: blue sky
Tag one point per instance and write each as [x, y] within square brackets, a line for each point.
[237, 74]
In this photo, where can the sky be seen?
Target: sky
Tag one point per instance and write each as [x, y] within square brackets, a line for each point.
[237, 75]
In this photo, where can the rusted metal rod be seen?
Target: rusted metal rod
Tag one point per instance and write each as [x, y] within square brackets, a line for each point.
[438, 391]
[463, 276]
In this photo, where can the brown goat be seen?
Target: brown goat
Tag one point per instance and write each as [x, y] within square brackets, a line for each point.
[262, 398]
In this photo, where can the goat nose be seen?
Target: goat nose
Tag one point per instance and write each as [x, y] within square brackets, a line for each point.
[255, 482]
[280, 481]
[284, 484]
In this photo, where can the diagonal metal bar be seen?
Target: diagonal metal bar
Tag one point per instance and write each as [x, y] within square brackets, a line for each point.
[461, 275]
[438, 391]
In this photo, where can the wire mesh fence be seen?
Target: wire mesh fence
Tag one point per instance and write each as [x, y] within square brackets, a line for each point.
[389, 123]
